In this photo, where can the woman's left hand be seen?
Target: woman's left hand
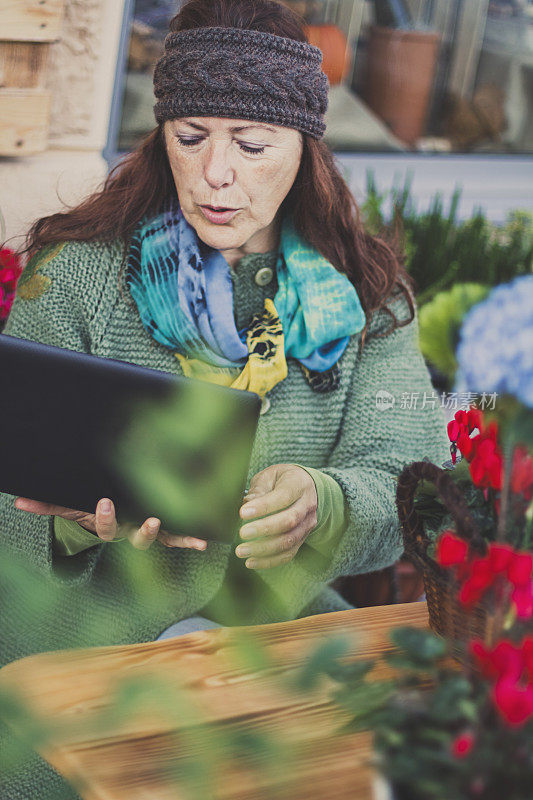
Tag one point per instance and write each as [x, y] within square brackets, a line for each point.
[285, 496]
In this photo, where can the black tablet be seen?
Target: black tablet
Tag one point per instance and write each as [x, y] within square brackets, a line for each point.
[77, 427]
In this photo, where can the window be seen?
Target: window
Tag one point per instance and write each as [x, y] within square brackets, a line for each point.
[434, 81]
[450, 76]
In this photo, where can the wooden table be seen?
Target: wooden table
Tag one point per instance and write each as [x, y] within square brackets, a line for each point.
[127, 759]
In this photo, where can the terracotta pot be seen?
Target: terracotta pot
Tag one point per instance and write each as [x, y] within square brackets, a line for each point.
[400, 72]
[334, 45]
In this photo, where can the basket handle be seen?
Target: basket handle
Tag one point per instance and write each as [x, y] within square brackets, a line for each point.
[414, 536]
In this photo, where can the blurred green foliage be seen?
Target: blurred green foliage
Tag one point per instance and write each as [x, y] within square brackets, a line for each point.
[417, 716]
[453, 262]
[197, 757]
[441, 250]
[440, 321]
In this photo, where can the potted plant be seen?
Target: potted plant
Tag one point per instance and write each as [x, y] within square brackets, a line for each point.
[445, 729]
[444, 733]
[486, 494]
[401, 69]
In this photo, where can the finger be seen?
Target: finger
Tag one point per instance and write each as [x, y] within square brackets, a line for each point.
[261, 483]
[170, 540]
[280, 497]
[281, 522]
[274, 545]
[105, 520]
[36, 507]
[271, 561]
[142, 538]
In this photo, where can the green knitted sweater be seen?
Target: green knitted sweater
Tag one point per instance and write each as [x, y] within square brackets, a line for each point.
[100, 596]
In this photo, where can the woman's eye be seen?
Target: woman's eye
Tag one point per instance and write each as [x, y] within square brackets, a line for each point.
[244, 147]
[253, 150]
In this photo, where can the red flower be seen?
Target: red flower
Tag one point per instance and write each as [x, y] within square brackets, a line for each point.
[500, 556]
[462, 745]
[483, 656]
[501, 570]
[10, 270]
[465, 444]
[475, 419]
[522, 597]
[513, 701]
[481, 577]
[451, 549]
[520, 569]
[510, 667]
[507, 659]
[486, 466]
[459, 430]
[522, 473]
[9, 278]
[8, 258]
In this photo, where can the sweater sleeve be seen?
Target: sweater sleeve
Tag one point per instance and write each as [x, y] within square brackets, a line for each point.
[47, 309]
[392, 417]
[332, 512]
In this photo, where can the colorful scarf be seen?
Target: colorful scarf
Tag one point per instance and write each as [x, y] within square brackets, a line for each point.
[184, 292]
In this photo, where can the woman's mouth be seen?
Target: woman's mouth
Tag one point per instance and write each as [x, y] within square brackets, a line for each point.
[219, 215]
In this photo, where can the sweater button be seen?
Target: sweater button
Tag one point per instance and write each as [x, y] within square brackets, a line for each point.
[265, 405]
[264, 276]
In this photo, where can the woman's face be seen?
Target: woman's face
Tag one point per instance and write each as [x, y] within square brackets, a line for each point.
[233, 163]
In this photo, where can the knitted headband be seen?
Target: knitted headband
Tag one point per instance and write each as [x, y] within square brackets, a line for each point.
[240, 73]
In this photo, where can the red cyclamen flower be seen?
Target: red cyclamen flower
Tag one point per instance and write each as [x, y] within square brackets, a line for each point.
[451, 549]
[510, 666]
[486, 464]
[10, 270]
[522, 473]
[459, 430]
[501, 567]
[462, 745]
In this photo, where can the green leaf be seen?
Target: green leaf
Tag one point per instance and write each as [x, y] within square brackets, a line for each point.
[350, 673]
[420, 645]
[319, 662]
[364, 699]
[445, 699]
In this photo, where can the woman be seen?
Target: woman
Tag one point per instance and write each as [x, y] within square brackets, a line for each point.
[286, 295]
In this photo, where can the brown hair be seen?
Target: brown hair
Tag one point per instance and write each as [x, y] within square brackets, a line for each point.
[324, 210]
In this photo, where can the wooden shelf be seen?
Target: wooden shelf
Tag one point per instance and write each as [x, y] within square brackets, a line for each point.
[23, 65]
[24, 117]
[31, 20]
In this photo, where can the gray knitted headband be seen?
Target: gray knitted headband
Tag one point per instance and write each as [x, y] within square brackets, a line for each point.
[240, 73]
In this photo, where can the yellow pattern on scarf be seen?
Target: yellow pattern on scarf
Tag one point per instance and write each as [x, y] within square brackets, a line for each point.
[266, 365]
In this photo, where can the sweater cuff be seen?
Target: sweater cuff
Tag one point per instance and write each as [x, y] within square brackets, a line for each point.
[332, 513]
[71, 538]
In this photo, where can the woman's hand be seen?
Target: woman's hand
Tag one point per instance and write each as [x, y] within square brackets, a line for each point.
[104, 524]
[285, 495]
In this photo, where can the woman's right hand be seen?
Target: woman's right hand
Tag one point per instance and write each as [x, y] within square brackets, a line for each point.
[104, 524]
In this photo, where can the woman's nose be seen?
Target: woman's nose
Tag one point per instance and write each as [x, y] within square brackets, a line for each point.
[218, 168]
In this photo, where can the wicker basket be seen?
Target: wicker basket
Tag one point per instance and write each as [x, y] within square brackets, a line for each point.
[447, 616]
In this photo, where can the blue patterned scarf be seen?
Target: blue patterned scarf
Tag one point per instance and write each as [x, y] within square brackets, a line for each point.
[184, 292]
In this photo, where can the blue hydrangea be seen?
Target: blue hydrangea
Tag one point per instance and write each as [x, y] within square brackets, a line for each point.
[495, 351]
